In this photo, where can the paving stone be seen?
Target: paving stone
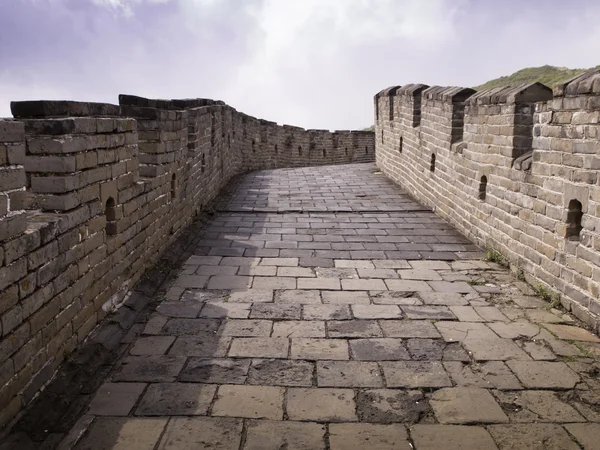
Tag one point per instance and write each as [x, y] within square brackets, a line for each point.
[491, 374]
[326, 312]
[281, 372]
[264, 271]
[176, 399]
[430, 265]
[376, 312]
[246, 328]
[319, 283]
[353, 264]
[363, 285]
[439, 298]
[181, 327]
[515, 330]
[203, 260]
[544, 374]
[298, 297]
[273, 435]
[227, 371]
[295, 272]
[419, 274]
[315, 349]
[425, 349]
[428, 312]
[466, 314]
[391, 264]
[587, 434]
[490, 314]
[299, 328]
[155, 324]
[315, 262]
[383, 349]
[447, 286]
[354, 328]
[377, 273]
[239, 261]
[122, 433]
[202, 433]
[191, 281]
[348, 374]
[466, 406]
[542, 316]
[394, 298]
[345, 298]
[415, 374]
[203, 295]
[532, 436]
[536, 406]
[226, 310]
[349, 436]
[276, 311]
[151, 345]
[409, 329]
[454, 352]
[149, 368]
[321, 404]
[251, 296]
[274, 283]
[539, 350]
[116, 399]
[336, 273]
[407, 285]
[181, 309]
[216, 270]
[228, 282]
[280, 262]
[259, 348]
[255, 402]
[390, 406]
[208, 346]
[451, 437]
[570, 333]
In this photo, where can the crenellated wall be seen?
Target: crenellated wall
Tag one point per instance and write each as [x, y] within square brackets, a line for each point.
[92, 194]
[515, 169]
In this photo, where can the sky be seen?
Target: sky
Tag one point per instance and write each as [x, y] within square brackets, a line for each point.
[310, 63]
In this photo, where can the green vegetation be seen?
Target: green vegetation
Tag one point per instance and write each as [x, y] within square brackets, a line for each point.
[551, 297]
[371, 128]
[495, 256]
[548, 75]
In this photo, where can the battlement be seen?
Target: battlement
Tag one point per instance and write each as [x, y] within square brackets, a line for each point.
[91, 194]
[514, 168]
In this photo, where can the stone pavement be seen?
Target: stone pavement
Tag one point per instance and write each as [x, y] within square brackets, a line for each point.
[323, 308]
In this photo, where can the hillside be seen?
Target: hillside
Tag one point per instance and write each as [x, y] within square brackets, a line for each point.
[548, 75]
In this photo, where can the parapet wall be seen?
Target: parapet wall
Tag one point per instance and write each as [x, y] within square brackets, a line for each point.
[515, 169]
[92, 194]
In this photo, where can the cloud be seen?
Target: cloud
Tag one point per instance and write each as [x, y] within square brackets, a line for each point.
[124, 6]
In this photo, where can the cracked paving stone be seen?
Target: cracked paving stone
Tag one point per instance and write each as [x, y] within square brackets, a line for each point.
[454, 352]
[176, 399]
[463, 406]
[544, 374]
[409, 329]
[534, 436]
[426, 349]
[536, 406]
[326, 312]
[381, 349]
[226, 371]
[394, 298]
[445, 299]
[281, 372]
[570, 333]
[451, 437]
[390, 406]
[273, 435]
[428, 312]
[587, 434]
[149, 368]
[491, 374]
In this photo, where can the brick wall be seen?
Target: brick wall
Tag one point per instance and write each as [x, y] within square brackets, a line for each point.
[92, 194]
[515, 169]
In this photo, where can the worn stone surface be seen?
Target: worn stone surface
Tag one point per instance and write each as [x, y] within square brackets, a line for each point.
[456, 341]
[532, 436]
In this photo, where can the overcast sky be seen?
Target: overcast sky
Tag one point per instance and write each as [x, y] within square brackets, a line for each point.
[311, 63]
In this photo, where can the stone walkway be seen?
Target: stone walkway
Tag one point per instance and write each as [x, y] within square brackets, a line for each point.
[325, 309]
